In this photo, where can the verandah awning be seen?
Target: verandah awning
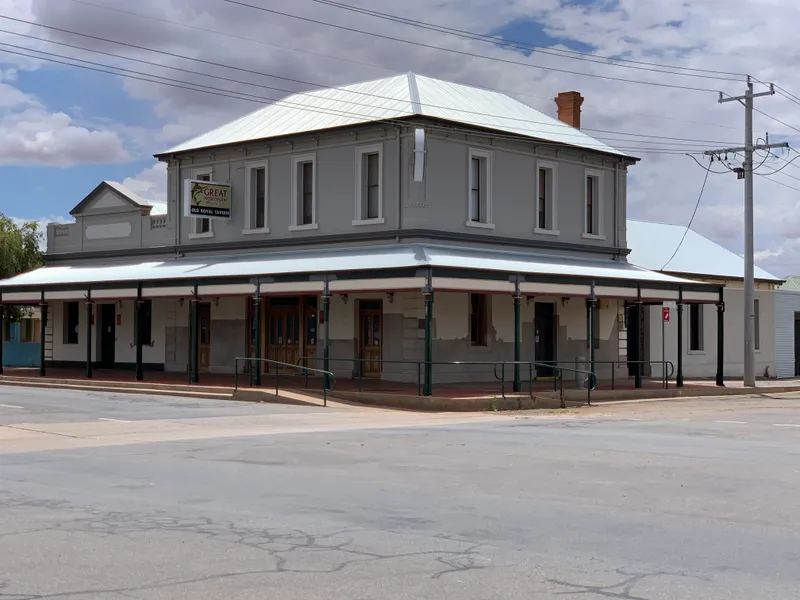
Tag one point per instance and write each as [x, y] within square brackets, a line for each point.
[366, 268]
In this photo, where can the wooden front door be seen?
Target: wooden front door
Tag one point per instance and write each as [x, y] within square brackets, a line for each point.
[370, 319]
[284, 332]
[204, 336]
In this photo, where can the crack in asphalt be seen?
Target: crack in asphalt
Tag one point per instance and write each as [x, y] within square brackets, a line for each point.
[283, 548]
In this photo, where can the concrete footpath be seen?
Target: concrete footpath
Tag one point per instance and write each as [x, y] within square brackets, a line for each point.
[574, 397]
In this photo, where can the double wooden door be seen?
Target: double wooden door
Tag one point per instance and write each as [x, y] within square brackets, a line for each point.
[291, 331]
[370, 319]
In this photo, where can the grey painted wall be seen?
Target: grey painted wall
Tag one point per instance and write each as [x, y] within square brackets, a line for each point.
[439, 202]
[335, 164]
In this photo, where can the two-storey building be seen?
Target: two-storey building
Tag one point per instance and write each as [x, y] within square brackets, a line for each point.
[386, 226]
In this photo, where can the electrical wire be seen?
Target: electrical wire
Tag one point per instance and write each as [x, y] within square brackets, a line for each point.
[170, 82]
[386, 69]
[562, 53]
[232, 36]
[782, 168]
[786, 185]
[709, 169]
[570, 130]
[694, 213]
[470, 54]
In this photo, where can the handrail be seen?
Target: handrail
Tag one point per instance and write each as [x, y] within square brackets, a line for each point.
[669, 367]
[327, 376]
[495, 364]
[558, 382]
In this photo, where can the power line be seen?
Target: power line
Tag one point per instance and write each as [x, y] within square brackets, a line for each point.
[303, 82]
[201, 88]
[368, 64]
[786, 185]
[694, 212]
[789, 162]
[465, 53]
[232, 36]
[562, 53]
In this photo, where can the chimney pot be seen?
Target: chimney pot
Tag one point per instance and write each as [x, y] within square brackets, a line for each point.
[569, 108]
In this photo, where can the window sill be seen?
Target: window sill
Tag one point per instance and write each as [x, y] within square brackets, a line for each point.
[201, 236]
[255, 231]
[378, 221]
[309, 227]
[546, 231]
[695, 352]
[593, 236]
[480, 225]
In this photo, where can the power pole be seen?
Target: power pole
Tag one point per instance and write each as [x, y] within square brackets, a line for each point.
[747, 168]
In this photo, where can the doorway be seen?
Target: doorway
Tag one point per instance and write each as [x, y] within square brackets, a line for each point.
[635, 329]
[108, 335]
[284, 331]
[544, 324]
[370, 337]
[204, 338]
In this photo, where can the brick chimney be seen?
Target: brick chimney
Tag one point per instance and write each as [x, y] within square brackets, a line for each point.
[569, 108]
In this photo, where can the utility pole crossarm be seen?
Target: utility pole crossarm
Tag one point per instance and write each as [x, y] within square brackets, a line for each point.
[771, 92]
[743, 149]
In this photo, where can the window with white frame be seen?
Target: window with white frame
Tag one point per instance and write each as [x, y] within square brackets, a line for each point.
[546, 198]
[696, 337]
[369, 185]
[256, 196]
[201, 227]
[304, 193]
[593, 200]
[479, 199]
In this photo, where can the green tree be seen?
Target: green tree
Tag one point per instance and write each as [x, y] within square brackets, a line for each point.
[19, 252]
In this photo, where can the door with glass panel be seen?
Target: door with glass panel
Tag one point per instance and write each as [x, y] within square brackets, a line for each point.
[370, 337]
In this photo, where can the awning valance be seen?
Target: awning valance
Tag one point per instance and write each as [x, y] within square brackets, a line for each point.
[408, 262]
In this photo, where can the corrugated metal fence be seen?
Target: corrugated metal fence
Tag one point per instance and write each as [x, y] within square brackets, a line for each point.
[787, 303]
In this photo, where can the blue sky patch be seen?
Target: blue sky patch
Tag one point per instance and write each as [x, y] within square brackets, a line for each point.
[530, 31]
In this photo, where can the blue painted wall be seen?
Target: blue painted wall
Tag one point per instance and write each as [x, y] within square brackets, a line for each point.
[17, 354]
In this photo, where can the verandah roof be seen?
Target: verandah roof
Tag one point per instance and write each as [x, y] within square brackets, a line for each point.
[348, 263]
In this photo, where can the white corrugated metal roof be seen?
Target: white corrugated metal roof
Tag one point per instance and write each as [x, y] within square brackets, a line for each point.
[333, 261]
[393, 98]
[652, 245]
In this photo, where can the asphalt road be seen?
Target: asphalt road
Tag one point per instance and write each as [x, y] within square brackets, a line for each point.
[116, 496]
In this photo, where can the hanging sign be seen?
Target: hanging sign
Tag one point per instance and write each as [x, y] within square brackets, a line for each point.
[665, 314]
[206, 199]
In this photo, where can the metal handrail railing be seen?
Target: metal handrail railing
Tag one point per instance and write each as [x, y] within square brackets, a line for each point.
[327, 376]
[558, 380]
[494, 364]
[667, 373]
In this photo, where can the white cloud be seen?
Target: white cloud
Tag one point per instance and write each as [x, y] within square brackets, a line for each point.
[151, 185]
[37, 137]
[702, 35]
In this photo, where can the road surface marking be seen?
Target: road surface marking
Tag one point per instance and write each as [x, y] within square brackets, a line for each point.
[733, 422]
[112, 420]
[786, 424]
[10, 406]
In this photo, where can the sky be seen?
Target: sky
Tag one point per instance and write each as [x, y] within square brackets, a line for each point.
[63, 129]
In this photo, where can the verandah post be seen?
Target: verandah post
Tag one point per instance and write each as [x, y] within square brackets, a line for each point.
[679, 375]
[194, 358]
[137, 332]
[428, 296]
[89, 312]
[721, 339]
[517, 334]
[326, 349]
[257, 336]
[43, 311]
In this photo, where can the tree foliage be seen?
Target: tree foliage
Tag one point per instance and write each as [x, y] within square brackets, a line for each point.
[19, 252]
